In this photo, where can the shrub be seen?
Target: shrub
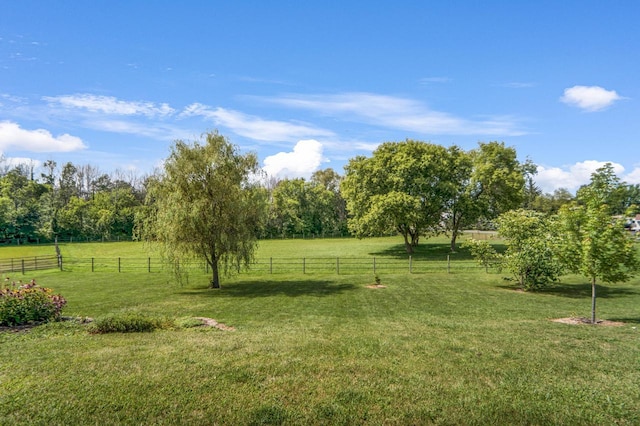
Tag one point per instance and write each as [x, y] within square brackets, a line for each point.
[28, 303]
[128, 322]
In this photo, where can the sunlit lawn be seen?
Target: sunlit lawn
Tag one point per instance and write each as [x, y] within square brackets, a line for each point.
[429, 348]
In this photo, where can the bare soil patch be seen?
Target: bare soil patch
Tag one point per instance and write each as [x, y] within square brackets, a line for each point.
[376, 286]
[587, 321]
[210, 322]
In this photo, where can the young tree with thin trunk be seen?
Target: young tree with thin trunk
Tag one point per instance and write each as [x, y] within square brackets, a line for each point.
[594, 243]
[205, 205]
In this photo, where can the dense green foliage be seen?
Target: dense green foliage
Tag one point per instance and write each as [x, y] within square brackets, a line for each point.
[436, 348]
[419, 189]
[484, 253]
[311, 208]
[28, 303]
[79, 202]
[531, 240]
[403, 187]
[205, 206]
[593, 243]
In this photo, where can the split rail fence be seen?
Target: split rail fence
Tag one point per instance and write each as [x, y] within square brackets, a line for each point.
[27, 264]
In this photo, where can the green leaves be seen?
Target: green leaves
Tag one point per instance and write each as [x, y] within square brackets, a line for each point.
[206, 205]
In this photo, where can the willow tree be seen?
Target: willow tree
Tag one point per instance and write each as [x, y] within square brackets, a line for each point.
[206, 205]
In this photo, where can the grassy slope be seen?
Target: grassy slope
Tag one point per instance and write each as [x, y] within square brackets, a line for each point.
[436, 348]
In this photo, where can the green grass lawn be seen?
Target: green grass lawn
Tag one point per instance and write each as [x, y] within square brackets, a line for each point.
[429, 348]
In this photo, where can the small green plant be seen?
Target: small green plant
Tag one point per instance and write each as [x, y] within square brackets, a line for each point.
[483, 252]
[188, 322]
[376, 277]
[128, 322]
[28, 303]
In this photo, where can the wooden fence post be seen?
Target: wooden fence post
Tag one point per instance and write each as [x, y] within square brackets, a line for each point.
[410, 265]
[338, 265]
[448, 264]
[271, 265]
[92, 265]
[374, 264]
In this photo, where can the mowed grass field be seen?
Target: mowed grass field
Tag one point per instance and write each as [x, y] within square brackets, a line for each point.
[323, 348]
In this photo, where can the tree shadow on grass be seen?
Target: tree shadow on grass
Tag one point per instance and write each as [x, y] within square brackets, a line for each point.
[430, 251]
[626, 320]
[582, 291]
[424, 251]
[262, 288]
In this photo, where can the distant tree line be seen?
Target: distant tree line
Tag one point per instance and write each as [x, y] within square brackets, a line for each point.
[412, 188]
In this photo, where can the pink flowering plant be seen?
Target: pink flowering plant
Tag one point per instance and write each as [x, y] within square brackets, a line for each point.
[28, 303]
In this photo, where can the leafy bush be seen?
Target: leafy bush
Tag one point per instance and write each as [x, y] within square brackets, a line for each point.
[28, 303]
[483, 252]
[128, 322]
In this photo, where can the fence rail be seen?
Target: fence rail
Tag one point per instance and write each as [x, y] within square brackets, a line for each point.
[281, 265]
[25, 264]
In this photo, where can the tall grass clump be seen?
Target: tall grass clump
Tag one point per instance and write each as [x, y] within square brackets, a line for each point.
[29, 303]
[128, 322]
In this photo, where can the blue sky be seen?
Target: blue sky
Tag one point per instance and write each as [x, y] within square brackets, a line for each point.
[309, 85]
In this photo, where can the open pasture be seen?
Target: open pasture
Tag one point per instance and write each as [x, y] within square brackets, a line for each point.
[324, 348]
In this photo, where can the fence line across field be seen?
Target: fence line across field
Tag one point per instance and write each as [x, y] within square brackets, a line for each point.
[27, 264]
[278, 265]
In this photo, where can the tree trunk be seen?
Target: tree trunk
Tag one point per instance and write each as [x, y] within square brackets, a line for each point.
[215, 276]
[593, 300]
[407, 244]
[454, 236]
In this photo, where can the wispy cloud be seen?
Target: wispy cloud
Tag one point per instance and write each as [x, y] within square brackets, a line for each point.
[13, 137]
[590, 98]
[398, 113]
[255, 127]
[110, 105]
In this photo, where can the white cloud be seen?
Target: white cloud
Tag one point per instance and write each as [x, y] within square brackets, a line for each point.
[399, 113]
[570, 177]
[590, 98]
[110, 105]
[12, 162]
[255, 127]
[633, 177]
[13, 137]
[305, 159]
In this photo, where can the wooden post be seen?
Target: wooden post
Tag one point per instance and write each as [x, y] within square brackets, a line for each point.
[338, 265]
[118, 264]
[92, 265]
[374, 264]
[271, 265]
[22, 266]
[448, 264]
[410, 265]
[304, 266]
[149, 264]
